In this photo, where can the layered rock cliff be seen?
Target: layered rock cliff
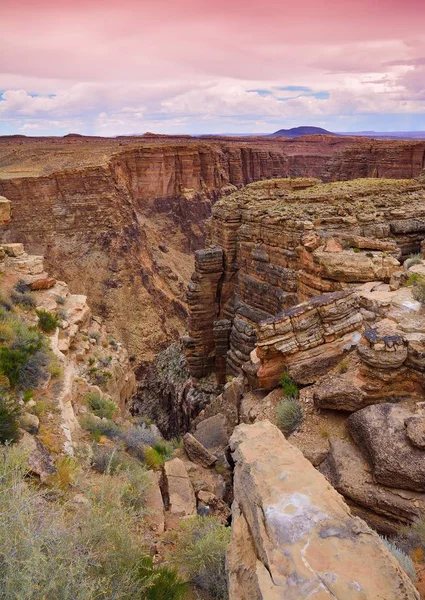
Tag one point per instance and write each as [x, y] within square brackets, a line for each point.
[277, 243]
[119, 219]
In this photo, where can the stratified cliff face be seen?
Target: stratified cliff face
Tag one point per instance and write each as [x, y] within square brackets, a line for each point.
[273, 245]
[119, 219]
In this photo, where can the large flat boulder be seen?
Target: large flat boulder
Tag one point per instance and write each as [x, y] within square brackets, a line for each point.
[181, 496]
[293, 536]
[349, 472]
[379, 431]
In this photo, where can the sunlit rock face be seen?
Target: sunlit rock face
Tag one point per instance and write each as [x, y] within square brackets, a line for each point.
[287, 241]
[293, 536]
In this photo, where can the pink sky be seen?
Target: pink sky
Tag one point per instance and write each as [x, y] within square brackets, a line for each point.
[112, 67]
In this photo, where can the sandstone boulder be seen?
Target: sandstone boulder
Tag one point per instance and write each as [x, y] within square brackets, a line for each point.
[415, 430]
[154, 505]
[182, 501]
[213, 432]
[348, 471]
[40, 462]
[29, 422]
[197, 452]
[380, 433]
[293, 536]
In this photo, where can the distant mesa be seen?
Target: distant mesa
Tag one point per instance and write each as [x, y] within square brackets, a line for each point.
[299, 131]
[73, 135]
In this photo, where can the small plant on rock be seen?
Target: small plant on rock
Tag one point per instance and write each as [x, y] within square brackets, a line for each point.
[404, 560]
[289, 387]
[47, 321]
[413, 259]
[288, 415]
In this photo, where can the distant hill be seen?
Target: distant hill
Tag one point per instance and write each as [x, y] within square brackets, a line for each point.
[298, 131]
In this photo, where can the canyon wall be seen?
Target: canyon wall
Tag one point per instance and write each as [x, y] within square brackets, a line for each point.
[120, 219]
[284, 241]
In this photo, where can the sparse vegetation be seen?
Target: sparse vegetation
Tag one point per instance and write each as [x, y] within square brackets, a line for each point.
[289, 387]
[98, 427]
[24, 300]
[418, 291]
[404, 560]
[343, 366]
[356, 250]
[152, 458]
[201, 553]
[102, 407]
[413, 279]
[9, 419]
[288, 415]
[413, 259]
[47, 321]
[51, 551]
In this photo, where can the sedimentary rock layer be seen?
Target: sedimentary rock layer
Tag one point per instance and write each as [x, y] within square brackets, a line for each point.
[118, 219]
[286, 241]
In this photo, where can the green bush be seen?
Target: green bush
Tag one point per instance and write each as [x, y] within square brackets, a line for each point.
[201, 546]
[288, 385]
[288, 415]
[47, 321]
[102, 407]
[413, 279]
[105, 427]
[153, 459]
[51, 551]
[9, 419]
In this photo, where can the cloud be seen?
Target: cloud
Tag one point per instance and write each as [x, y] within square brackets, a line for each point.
[134, 65]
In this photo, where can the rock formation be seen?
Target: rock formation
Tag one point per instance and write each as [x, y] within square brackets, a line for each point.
[292, 534]
[118, 218]
[286, 241]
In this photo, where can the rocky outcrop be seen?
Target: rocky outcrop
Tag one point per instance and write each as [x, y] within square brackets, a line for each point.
[292, 534]
[379, 431]
[287, 241]
[132, 210]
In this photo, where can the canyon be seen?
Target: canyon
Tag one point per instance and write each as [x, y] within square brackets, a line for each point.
[220, 271]
[119, 219]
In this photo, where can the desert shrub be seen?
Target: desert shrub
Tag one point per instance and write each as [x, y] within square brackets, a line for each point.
[153, 459]
[9, 419]
[47, 321]
[343, 366]
[109, 460]
[135, 486]
[55, 367]
[167, 585]
[23, 354]
[105, 427]
[418, 290]
[60, 300]
[66, 472]
[201, 553]
[62, 314]
[413, 279]
[288, 415]
[95, 335]
[25, 300]
[137, 437]
[102, 407]
[413, 259]
[288, 385]
[404, 560]
[51, 551]
[21, 286]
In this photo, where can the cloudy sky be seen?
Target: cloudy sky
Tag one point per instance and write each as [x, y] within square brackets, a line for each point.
[113, 67]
